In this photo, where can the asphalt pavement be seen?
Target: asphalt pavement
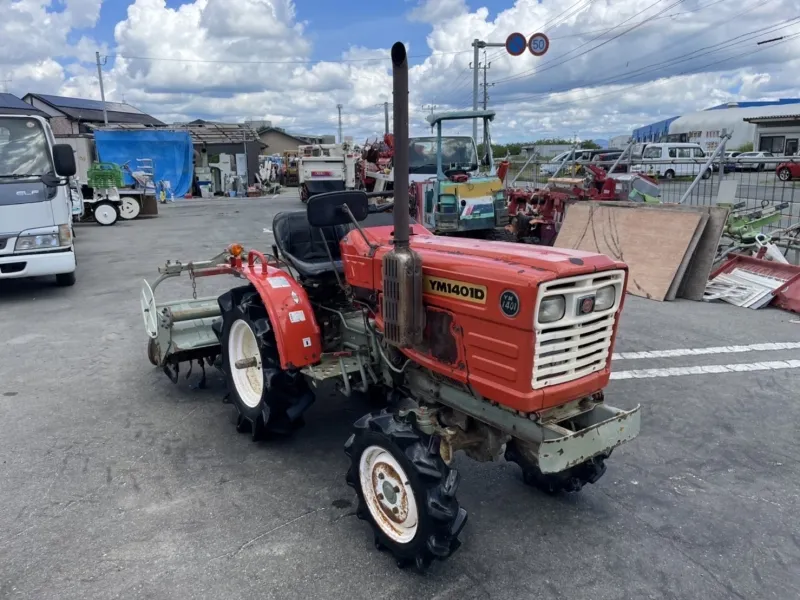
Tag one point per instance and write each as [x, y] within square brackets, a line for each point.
[117, 483]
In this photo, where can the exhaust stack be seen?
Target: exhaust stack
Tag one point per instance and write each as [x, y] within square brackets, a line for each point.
[404, 319]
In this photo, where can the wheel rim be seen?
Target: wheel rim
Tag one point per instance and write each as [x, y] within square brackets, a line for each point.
[242, 346]
[784, 174]
[388, 494]
[105, 214]
[129, 208]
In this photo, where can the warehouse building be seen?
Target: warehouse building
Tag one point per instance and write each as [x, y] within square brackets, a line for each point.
[705, 127]
[778, 134]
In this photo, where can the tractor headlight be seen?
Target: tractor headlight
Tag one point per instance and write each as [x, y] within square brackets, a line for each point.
[43, 241]
[605, 297]
[552, 309]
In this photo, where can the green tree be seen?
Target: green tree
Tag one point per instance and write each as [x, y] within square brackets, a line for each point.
[746, 147]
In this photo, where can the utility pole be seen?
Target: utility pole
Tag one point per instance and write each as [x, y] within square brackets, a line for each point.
[102, 91]
[5, 83]
[486, 86]
[341, 139]
[477, 45]
[385, 117]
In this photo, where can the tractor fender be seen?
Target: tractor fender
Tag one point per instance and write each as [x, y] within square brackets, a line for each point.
[297, 333]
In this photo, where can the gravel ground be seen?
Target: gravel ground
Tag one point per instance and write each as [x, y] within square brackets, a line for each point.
[115, 483]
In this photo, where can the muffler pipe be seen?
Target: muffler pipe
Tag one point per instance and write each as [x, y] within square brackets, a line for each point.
[400, 115]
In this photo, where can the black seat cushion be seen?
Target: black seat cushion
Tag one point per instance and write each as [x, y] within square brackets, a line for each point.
[303, 246]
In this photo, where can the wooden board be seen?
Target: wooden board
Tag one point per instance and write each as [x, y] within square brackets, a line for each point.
[653, 242]
[688, 257]
[690, 283]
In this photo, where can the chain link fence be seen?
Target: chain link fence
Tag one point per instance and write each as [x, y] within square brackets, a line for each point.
[767, 191]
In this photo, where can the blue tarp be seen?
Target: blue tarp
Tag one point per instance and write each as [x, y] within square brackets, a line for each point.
[170, 151]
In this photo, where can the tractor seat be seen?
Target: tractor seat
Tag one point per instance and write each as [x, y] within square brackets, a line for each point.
[303, 247]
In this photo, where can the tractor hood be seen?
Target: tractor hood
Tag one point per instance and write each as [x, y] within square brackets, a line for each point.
[502, 259]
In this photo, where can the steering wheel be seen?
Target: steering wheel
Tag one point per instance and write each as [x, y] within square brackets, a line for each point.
[149, 310]
[455, 171]
[380, 208]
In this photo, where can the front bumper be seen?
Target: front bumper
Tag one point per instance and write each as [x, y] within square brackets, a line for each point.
[599, 431]
[13, 266]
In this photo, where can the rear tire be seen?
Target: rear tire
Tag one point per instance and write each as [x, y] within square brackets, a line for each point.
[65, 279]
[405, 490]
[129, 209]
[707, 174]
[670, 174]
[269, 400]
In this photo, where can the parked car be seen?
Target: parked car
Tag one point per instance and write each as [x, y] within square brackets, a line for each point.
[745, 161]
[787, 171]
[607, 159]
[672, 159]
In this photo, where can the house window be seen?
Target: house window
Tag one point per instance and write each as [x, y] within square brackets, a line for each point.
[772, 143]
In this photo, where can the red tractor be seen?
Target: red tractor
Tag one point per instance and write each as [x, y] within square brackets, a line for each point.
[492, 348]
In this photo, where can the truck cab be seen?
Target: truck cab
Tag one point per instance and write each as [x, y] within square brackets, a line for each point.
[36, 205]
[450, 194]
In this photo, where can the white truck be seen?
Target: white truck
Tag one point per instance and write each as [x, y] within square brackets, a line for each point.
[35, 201]
[326, 168]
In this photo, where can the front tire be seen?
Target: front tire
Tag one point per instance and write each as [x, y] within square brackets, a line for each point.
[570, 480]
[405, 490]
[106, 213]
[785, 174]
[670, 174]
[707, 174]
[65, 279]
[268, 400]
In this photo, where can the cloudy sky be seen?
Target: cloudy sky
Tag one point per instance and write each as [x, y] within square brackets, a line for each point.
[612, 65]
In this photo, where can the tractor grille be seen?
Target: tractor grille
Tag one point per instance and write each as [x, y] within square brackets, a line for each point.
[577, 344]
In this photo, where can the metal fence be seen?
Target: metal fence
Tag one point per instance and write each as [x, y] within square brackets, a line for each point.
[767, 188]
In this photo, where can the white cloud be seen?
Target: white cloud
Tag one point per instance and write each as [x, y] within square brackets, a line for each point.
[257, 62]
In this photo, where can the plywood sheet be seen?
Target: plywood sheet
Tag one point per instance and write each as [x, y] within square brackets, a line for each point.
[652, 242]
[691, 281]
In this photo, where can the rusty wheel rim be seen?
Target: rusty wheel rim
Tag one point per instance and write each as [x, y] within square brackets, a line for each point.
[388, 494]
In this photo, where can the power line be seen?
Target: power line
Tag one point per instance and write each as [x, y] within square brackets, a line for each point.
[683, 57]
[553, 64]
[643, 85]
[275, 62]
[554, 22]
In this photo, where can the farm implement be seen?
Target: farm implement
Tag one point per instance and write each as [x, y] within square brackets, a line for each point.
[535, 214]
[491, 349]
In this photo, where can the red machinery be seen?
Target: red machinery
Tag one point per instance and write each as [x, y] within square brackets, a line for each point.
[376, 156]
[535, 214]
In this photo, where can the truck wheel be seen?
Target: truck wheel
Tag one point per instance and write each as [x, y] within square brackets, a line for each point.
[65, 279]
[269, 400]
[571, 480]
[405, 490]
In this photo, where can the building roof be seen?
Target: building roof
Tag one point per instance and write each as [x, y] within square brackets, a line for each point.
[11, 105]
[794, 117]
[299, 138]
[202, 132]
[82, 109]
[755, 104]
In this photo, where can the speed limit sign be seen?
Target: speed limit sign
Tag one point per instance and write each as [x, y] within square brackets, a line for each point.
[538, 44]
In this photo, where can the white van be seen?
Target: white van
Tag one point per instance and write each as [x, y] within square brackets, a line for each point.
[672, 159]
[35, 201]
